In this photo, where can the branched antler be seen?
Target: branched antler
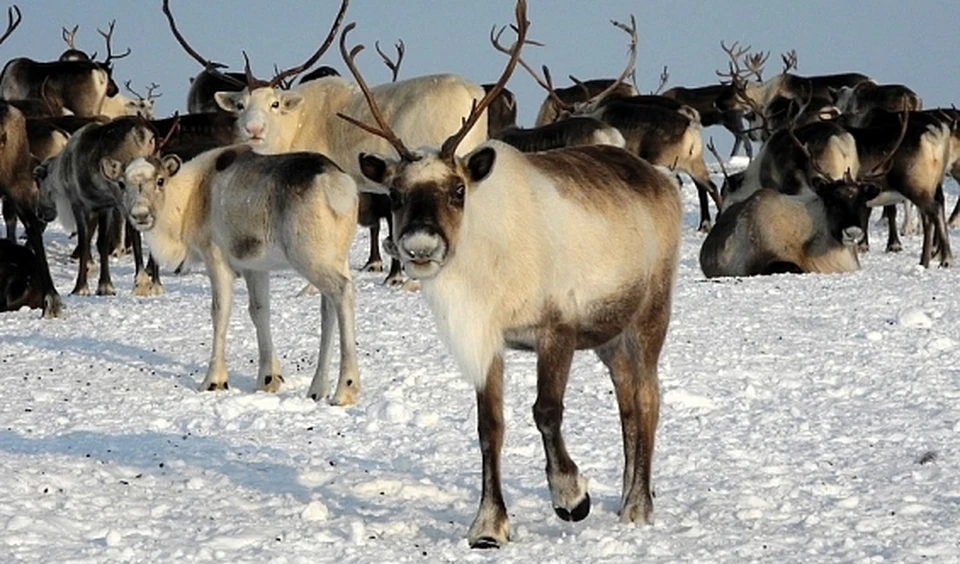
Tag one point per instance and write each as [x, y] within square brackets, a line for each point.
[69, 36]
[14, 17]
[394, 66]
[789, 61]
[107, 37]
[150, 94]
[294, 71]
[664, 77]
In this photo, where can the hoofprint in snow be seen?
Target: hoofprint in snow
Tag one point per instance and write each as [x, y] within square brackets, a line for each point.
[804, 418]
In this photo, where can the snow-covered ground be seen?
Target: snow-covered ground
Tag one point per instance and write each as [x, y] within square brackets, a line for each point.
[805, 418]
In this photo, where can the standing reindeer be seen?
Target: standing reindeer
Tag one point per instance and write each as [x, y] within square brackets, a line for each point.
[249, 214]
[494, 236]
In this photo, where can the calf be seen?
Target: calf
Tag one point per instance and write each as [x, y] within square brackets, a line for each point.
[249, 214]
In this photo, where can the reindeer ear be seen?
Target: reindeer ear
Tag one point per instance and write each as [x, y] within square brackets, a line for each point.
[171, 163]
[228, 101]
[870, 191]
[373, 168]
[112, 169]
[290, 101]
[480, 163]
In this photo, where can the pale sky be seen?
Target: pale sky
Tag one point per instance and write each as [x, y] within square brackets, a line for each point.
[913, 43]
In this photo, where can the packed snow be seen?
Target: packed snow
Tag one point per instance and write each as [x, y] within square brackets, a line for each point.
[804, 418]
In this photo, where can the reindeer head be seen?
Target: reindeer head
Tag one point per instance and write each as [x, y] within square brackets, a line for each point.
[430, 188]
[263, 108]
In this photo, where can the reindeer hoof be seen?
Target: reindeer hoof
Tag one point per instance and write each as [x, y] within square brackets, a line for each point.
[411, 286]
[579, 512]
[705, 227]
[272, 383]
[217, 387]
[894, 247]
[373, 266]
[309, 290]
[106, 290]
[346, 395]
[84, 291]
[485, 542]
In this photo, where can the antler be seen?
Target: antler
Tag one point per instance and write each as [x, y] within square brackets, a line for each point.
[207, 64]
[107, 36]
[394, 66]
[291, 72]
[449, 147]
[632, 31]
[736, 76]
[713, 149]
[664, 77]
[12, 22]
[70, 36]
[150, 96]
[880, 169]
[545, 82]
[173, 130]
[384, 132]
[789, 61]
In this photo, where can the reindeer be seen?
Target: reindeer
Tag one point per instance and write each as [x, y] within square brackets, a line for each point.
[811, 230]
[75, 181]
[78, 85]
[21, 196]
[19, 286]
[460, 224]
[651, 127]
[856, 102]
[914, 157]
[715, 105]
[247, 214]
[570, 132]
[425, 109]
[559, 99]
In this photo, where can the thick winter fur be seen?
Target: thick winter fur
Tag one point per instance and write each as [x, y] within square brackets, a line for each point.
[204, 86]
[422, 111]
[75, 181]
[249, 214]
[783, 167]
[859, 99]
[772, 232]
[196, 133]
[502, 112]
[713, 103]
[80, 86]
[571, 132]
[21, 196]
[915, 174]
[792, 86]
[526, 251]
[667, 138]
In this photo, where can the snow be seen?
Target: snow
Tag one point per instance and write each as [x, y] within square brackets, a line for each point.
[804, 418]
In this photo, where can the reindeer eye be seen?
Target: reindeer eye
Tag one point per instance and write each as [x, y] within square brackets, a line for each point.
[240, 106]
[160, 181]
[275, 105]
[458, 194]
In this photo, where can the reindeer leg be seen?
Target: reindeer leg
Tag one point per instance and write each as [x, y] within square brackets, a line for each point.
[221, 287]
[10, 219]
[269, 377]
[893, 235]
[81, 288]
[52, 304]
[104, 248]
[568, 489]
[954, 216]
[348, 385]
[943, 236]
[374, 261]
[491, 527]
[141, 279]
[328, 321]
[153, 272]
[926, 251]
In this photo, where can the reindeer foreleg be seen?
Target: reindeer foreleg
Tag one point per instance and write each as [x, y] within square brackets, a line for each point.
[491, 527]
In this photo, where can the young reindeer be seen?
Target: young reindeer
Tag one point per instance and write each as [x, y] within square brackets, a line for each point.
[514, 250]
[249, 214]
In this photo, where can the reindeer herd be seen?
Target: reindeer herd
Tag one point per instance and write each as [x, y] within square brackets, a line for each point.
[260, 175]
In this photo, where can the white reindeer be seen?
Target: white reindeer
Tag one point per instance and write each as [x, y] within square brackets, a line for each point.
[423, 110]
[241, 212]
[555, 251]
